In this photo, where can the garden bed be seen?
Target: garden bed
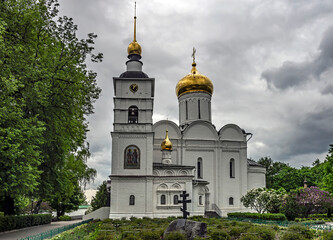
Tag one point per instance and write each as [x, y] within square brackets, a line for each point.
[221, 228]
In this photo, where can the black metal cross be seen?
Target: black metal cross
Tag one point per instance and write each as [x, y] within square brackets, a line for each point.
[184, 195]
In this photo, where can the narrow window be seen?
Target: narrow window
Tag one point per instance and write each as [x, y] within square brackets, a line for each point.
[199, 168]
[163, 200]
[132, 200]
[231, 201]
[175, 199]
[209, 111]
[199, 113]
[186, 108]
[133, 114]
[232, 168]
[200, 200]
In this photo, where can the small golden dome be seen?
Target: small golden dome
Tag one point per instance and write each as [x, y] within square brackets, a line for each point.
[166, 144]
[194, 82]
[134, 48]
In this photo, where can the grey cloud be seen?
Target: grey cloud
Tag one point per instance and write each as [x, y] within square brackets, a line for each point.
[309, 134]
[235, 44]
[314, 133]
[292, 74]
[328, 89]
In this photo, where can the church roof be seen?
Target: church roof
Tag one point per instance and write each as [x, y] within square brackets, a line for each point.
[166, 166]
[253, 163]
[133, 74]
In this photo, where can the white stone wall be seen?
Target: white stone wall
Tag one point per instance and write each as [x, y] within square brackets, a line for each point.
[194, 106]
[143, 141]
[256, 177]
[121, 190]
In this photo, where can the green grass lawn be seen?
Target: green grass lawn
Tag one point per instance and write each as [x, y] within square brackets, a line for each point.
[151, 229]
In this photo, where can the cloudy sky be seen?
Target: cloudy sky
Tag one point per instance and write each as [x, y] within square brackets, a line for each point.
[271, 63]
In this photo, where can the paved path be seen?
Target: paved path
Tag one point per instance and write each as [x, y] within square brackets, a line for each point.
[25, 232]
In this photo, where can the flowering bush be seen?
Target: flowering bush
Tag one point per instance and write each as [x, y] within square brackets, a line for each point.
[313, 198]
[301, 202]
[263, 199]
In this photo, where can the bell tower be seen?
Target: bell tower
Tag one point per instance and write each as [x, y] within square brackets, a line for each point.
[132, 138]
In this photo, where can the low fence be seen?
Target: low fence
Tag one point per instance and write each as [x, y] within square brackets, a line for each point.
[285, 223]
[53, 232]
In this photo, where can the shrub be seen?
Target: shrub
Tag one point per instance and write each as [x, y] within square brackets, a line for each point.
[296, 232]
[175, 236]
[104, 235]
[8, 223]
[263, 232]
[215, 235]
[65, 218]
[236, 231]
[328, 236]
[248, 236]
[290, 207]
[263, 216]
[131, 237]
[301, 229]
[292, 236]
[150, 236]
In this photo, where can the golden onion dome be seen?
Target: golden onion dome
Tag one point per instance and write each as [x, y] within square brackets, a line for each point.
[166, 144]
[134, 48]
[194, 82]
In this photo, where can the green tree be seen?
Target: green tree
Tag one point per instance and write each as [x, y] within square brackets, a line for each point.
[46, 92]
[101, 198]
[272, 169]
[277, 172]
[74, 171]
[327, 181]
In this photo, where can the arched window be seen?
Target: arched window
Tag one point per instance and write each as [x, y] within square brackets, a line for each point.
[199, 168]
[232, 168]
[132, 200]
[175, 199]
[231, 201]
[163, 200]
[186, 109]
[199, 110]
[200, 200]
[133, 114]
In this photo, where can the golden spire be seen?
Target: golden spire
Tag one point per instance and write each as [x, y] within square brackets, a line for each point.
[134, 47]
[166, 144]
[194, 81]
[134, 22]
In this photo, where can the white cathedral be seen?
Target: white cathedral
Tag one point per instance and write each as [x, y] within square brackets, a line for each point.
[152, 164]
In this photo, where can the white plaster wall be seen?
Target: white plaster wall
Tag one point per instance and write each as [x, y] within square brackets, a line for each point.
[200, 130]
[121, 190]
[191, 155]
[232, 132]
[119, 143]
[145, 87]
[192, 100]
[256, 178]
[197, 208]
